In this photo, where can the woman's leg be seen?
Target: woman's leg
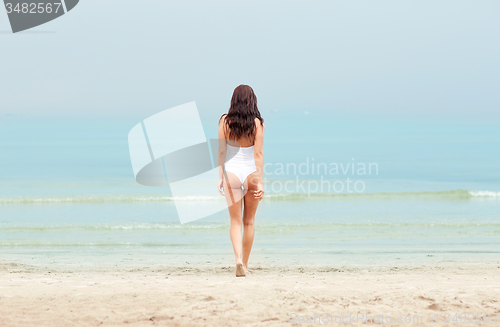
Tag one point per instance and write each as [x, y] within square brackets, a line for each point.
[234, 193]
[249, 210]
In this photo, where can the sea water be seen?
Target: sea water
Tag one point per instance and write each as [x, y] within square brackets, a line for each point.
[338, 191]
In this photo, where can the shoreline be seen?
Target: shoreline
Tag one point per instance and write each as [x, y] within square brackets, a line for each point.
[221, 269]
[269, 254]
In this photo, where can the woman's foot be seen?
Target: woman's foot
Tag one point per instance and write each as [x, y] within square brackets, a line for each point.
[240, 271]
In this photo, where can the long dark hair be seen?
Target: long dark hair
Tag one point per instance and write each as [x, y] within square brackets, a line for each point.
[240, 119]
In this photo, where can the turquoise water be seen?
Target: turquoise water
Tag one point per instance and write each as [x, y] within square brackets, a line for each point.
[66, 185]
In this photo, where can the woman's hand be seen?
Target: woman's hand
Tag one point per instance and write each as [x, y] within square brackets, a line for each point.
[220, 186]
[259, 193]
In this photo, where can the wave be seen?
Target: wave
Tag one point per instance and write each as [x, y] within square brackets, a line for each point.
[155, 198]
[485, 194]
[265, 227]
[111, 198]
[445, 195]
[109, 227]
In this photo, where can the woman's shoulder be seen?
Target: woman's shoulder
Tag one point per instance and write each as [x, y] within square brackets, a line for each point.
[222, 118]
[258, 122]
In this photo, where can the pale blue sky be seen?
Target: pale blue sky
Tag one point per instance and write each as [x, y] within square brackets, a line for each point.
[373, 57]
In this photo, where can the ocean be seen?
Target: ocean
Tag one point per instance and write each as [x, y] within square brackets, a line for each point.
[339, 191]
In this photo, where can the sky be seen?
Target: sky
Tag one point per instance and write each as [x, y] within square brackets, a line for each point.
[380, 58]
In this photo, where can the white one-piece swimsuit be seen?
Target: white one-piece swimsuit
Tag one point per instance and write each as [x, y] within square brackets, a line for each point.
[241, 161]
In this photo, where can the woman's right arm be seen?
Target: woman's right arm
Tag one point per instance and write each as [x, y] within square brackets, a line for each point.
[259, 157]
[221, 153]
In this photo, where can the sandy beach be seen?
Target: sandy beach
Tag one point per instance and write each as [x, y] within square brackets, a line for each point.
[61, 295]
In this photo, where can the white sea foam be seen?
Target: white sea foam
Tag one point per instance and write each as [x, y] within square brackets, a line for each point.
[485, 194]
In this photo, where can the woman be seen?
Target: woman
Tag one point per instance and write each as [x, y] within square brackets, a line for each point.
[241, 136]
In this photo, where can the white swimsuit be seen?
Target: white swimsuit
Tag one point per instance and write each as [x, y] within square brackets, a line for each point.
[241, 162]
